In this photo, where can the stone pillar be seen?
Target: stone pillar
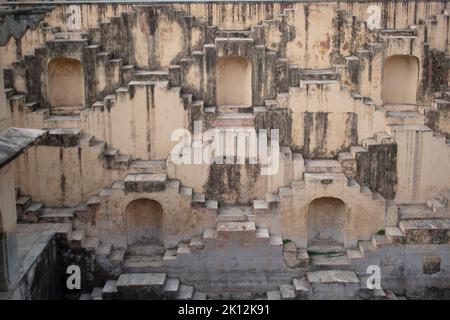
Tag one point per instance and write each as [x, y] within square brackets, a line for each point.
[8, 222]
[210, 60]
[3, 106]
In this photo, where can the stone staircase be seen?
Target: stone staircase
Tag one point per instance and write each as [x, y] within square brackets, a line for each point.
[216, 41]
[117, 77]
[143, 286]
[327, 285]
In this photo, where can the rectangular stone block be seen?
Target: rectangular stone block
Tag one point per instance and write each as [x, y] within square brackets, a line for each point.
[425, 231]
[244, 231]
[146, 182]
[141, 285]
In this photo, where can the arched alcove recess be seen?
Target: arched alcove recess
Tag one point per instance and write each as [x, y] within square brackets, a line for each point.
[234, 81]
[144, 222]
[400, 79]
[326, 221]
[66, 83]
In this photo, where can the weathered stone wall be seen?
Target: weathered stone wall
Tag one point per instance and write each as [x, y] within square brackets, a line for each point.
[316, 21]
[8, 242]
[377, 169]
[41, 280]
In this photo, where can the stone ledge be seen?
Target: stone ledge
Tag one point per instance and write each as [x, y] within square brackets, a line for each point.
[145, 182]
[14, 141]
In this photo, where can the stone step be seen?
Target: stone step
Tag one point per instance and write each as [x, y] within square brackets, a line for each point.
[109, 291]
[196, 244]
[147, 166]
[317, 74]
[169, 255]
[185, 292]
[57, 215]
[23, 201]
[233, 33]
[276, 241]
[260, 207]
[104, 55]
[425, 231]
[105, 192]
[369, 142]
[366, 247]
[171, 288]
[91, 243]
[287, 292]
[234, 109]
[437, 207]
[228, 214]
[94, 201]
[353, 254]
[383, 137]
[311, 85]
[198, 198]
[76, 238]
[209, 234]
[110, 153]
[183, 249]
[66, 137]
[123, 160]
[329, 247]
[419, 211]
[199, 295]
[330, 261]
[262, 233]
[379, 241]
[31, 106]
[404, 118]
[234, 120]
[400, 107]
[322, 166]
[146, 75]
[187, 191]
[141, 285]
[332, 276]
[354, 150]
[145, 249]
[32, 212]
[245, 230]
[145, 182]
[64, 230]
[394, 235]
[301, 287]
[9, 92]
[142, 264]
[273, 295]
[324, 178]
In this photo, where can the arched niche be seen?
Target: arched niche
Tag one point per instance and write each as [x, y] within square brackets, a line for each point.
[326, 221]
[66, 83]
[400, 79]
[144, 222]
[234, 81]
